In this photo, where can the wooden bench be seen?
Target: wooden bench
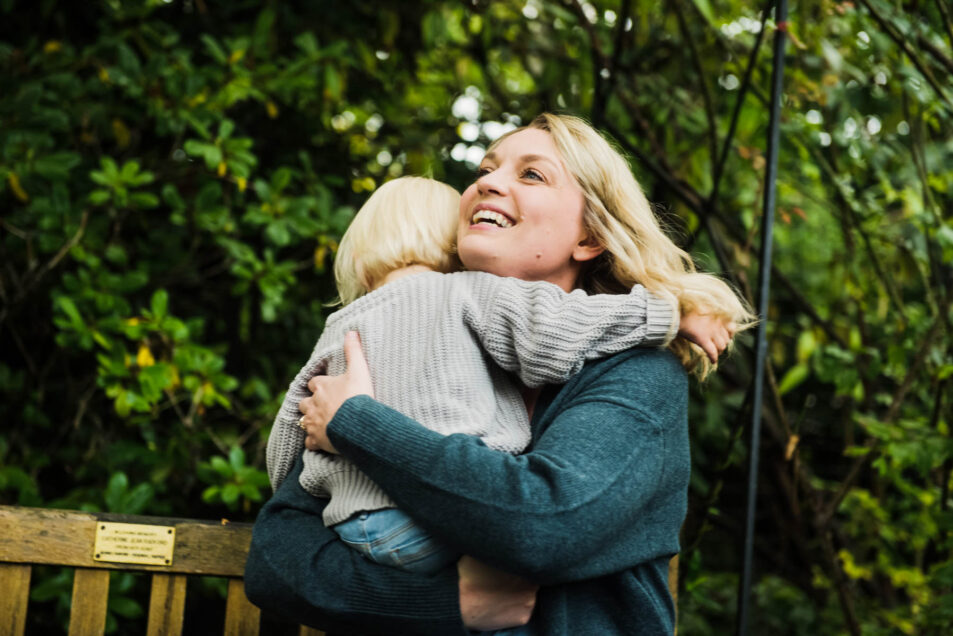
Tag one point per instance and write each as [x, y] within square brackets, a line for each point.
[34, 536]
[40, 536]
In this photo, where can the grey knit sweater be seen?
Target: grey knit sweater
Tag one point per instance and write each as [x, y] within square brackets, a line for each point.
[440, 348]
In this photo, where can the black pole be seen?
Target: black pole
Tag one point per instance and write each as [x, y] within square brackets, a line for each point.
[764, 285]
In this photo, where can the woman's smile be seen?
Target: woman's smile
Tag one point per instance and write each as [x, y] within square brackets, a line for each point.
[489, 215]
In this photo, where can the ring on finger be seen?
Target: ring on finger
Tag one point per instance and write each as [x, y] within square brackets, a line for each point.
[301, 423]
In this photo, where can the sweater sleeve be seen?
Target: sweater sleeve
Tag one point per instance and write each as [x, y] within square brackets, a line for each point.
[545, 335]
[286, 440]
[299, 570]
[599, 492]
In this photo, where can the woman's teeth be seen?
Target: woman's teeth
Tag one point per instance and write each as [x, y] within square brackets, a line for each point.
[488, 216]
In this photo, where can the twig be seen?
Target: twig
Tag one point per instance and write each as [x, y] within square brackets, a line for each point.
[600, 61]
[685, 192]
[14, 230]
[32, 278]
[646, 129]
[901, 41]
[721, 470]
[947, 468]
[619, 43]
[843, 594]
[702, 85]
[851, 212]
[896, 402]
[83, 404]
[946, 20]
[939, 55]
[739, 102]
[722, 256]
[618, 47]
[695, 202]
[174, 403]
[808, 308]
[920, 161]
[31, 366]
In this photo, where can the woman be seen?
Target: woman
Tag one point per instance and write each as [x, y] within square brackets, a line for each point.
[591, 513]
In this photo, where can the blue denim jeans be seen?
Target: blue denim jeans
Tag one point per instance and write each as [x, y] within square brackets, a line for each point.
[391, 537]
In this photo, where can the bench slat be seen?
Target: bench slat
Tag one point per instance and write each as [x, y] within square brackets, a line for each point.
[14, 595]
[241, 617]
[309, 631]
[166, 605]
[66, 537]
[88, 609]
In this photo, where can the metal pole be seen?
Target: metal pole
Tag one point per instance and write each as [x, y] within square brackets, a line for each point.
[767, 231]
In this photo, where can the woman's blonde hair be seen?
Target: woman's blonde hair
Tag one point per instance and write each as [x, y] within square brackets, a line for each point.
[619, 217]
[407, 221]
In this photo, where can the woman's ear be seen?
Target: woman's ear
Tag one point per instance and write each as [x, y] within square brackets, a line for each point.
[587, 249]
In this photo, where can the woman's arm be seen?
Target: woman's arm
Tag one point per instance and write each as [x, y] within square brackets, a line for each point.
[603, 488]
[299, 570]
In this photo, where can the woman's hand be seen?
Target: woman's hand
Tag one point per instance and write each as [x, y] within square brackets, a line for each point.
[491, 599]
[709, 332]
[330, 392]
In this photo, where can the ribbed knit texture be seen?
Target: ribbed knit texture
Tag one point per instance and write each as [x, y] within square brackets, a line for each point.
[591, 511]
[439, 347]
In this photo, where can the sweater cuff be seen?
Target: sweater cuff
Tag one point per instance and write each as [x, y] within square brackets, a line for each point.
[661, 320]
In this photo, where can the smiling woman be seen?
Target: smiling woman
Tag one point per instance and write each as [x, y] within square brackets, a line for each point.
[590, 511]
[523, 179]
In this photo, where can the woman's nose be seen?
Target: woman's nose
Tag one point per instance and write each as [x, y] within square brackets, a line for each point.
[491, 183]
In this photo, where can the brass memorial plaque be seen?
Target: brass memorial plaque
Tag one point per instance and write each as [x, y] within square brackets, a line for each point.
[134, 543]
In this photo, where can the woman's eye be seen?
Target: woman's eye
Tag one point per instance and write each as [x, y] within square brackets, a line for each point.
[481, 172]
[531, 173]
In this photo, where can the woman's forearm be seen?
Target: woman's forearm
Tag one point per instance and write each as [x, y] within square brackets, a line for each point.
[598, 472]
[299, 570]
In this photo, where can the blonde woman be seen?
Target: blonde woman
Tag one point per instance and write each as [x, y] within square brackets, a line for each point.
[441, 345]
[571, 537]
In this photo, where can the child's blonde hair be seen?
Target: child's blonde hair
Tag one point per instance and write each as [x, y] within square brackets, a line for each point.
[407, 221]
[618, 216]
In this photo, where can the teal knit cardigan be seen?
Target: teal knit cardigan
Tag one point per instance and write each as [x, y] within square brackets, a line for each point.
[591, 512]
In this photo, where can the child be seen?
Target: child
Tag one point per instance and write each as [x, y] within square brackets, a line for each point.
[440, 347]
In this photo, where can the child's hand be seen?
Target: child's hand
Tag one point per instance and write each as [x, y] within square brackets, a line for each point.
[709, 332]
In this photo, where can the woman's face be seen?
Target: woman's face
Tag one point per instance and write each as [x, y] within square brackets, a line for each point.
[523, 215]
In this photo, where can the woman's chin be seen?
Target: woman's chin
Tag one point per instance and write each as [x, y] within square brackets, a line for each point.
[479, 258]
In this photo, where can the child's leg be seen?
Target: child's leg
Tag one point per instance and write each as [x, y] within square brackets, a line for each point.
[390, 537]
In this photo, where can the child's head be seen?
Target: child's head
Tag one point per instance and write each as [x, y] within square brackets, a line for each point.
[407, 221]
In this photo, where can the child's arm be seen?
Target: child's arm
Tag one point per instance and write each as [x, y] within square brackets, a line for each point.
[545, 334]
[286, 441]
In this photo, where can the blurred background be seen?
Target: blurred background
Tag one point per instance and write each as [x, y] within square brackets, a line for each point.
[175, 176]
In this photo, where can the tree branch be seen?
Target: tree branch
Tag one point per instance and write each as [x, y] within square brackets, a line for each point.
[739, 102]
[901, 41]
[851, 212]
[843, 594]
[684, 191]
[824, 518]
[702, 84]
[32, 278]
[946, 20]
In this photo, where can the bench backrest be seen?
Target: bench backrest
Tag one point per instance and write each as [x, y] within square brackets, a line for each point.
[40, 536]
[35, 536]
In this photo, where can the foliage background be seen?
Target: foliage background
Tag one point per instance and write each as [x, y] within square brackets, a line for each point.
[174, 176]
